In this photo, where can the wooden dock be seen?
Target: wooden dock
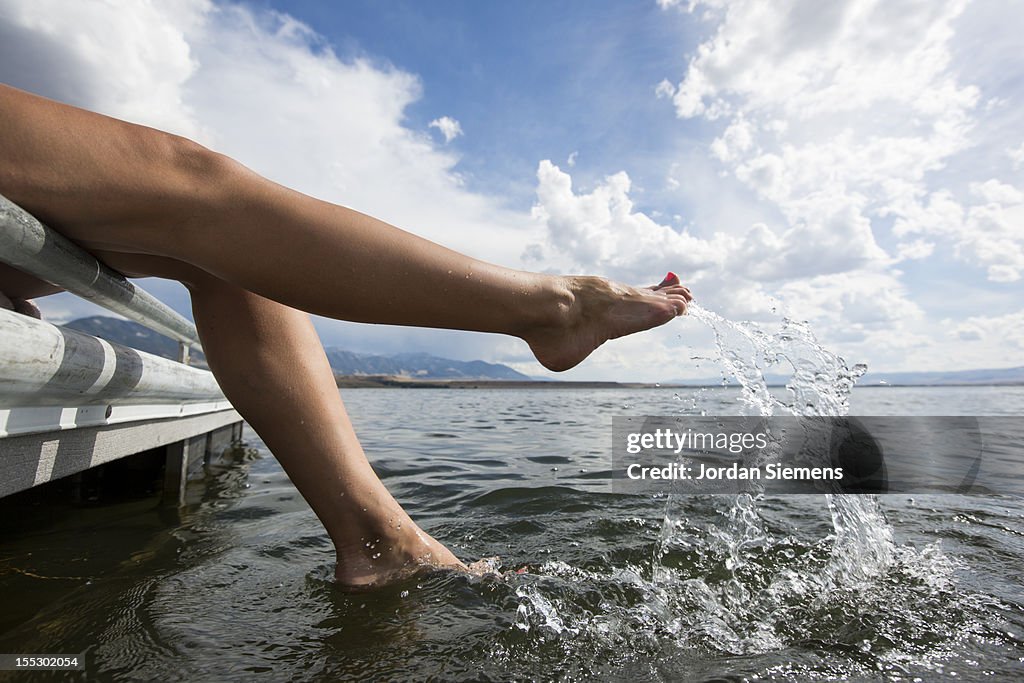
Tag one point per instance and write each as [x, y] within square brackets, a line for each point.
[70, 402]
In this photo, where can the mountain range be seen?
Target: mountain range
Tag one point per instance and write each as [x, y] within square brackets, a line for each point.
[427, 367]
[412, 365]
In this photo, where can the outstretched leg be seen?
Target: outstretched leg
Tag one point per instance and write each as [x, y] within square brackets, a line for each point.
[269, 362]
[112, 185]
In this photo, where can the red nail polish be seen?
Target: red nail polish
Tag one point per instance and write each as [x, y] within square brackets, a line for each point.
[671, 275]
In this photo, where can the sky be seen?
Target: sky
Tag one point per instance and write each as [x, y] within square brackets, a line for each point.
[858, 164]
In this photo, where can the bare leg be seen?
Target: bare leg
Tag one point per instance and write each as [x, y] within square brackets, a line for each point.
[271, 366]
[112, 185]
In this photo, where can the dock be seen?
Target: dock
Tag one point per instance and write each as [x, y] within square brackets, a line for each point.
[71, 402]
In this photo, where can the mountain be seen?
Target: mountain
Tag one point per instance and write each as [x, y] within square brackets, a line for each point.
[414, 365]
[128, 333]
[418, 365]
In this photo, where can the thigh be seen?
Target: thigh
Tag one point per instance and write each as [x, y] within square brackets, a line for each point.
[147, 265]
[17, 285]
[102, 182]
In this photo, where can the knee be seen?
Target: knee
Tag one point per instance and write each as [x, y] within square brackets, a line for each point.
[201, 173]
[193, 189]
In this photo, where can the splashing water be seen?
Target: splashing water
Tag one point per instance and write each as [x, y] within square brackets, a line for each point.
[819, 385]
[748, 586]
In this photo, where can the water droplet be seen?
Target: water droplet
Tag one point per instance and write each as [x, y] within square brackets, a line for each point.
[403, 594]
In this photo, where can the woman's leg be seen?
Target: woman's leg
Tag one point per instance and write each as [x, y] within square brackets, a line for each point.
[112, 185]
[271, 366]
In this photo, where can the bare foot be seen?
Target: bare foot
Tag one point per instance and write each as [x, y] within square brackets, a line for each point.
[601, 310]
[391, 554]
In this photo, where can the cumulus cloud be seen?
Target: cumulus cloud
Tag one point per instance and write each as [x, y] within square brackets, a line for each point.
[879, 110]
[846, 127]
[449, 127]
[1005, 330]
[131, 60]
[852, 121]
[757, 275]
[601, 231]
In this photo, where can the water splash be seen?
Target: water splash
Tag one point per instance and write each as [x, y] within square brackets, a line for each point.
[820, 381]
[741, 587]
[819, 384]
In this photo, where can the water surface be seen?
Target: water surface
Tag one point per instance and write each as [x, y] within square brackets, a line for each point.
[237, 585]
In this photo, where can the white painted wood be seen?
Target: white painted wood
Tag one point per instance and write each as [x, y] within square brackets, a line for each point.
[33, 459]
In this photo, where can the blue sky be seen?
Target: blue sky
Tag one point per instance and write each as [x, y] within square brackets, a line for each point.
[858, 164]
[527, 81]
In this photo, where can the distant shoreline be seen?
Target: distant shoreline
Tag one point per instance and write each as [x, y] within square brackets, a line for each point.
[399, 382]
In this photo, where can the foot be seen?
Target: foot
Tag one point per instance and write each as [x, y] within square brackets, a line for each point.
[391, 554]
[600, 310]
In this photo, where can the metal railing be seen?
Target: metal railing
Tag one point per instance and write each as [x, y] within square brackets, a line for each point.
[54, 378]
[33, 248]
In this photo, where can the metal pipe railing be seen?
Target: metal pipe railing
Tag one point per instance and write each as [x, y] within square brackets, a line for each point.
[44, 365]
[30, 246]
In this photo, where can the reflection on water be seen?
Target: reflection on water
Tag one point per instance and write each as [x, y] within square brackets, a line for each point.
[643, 588]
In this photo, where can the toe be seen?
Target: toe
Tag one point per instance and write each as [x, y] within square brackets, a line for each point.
[670, 280]
[679, 303]
[678, 290]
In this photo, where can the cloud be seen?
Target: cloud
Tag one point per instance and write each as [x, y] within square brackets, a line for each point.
[1004, 330]
[601, 231]
[806, 59]
[986, 232]
[916, 249]
[758, 275]
[1016, 155]
[827, 145]
[270, 92]
[129, 60]
[664, 89]
[449, 127]
[854, 121]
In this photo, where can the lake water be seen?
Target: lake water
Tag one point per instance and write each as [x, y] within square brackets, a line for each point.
[236, 586]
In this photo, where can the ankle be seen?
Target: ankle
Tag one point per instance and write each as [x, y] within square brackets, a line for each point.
[551, 308]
